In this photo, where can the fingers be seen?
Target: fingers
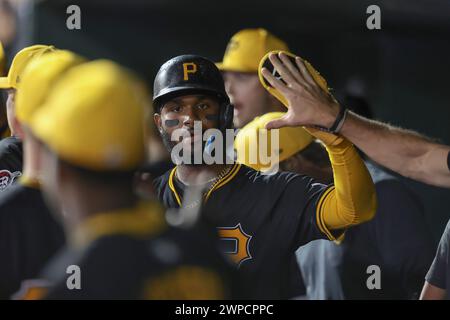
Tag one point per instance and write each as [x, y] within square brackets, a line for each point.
[278, 123]
[284, 72]
[305, 73]
[274, 82]
[291, 67]
[277, 94]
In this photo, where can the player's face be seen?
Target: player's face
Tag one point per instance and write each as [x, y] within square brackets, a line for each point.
[182, 113]
[247, 95]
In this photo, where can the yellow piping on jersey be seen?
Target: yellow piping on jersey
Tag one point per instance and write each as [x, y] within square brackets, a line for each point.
[30, 182]
[146, 218]
[227, 178]
[172, 187]
[224, 180]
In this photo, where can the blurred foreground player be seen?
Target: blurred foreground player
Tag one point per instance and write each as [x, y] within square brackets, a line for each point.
[92, 130]
[261, 219]
[11, 147]
[29, 233]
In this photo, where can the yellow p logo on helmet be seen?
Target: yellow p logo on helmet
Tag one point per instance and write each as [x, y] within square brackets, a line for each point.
[187, 70]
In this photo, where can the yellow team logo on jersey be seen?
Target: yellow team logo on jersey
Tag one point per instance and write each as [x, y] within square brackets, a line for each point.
[240, 251]
[188, 67]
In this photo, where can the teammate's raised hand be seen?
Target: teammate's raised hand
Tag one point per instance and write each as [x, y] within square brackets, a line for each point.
[308, 104]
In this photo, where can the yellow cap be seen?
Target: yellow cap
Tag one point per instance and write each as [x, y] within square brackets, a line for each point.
[247, 47]
[2, 59]
[38, 78]
[291, 141]
[313, 72]
[19, 63]
[94, 118]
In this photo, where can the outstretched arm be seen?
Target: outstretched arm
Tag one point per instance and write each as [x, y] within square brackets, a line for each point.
[404, 151]
[353, 198]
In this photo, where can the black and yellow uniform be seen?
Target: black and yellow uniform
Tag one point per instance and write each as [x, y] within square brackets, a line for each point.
[29, 235]
[133, 254]
[10, 161]
[261, 221]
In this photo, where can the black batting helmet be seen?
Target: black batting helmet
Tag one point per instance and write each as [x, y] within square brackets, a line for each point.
[191, 74]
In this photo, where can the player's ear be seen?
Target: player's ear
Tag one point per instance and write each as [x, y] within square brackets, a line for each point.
[158, 123]
[18, 128]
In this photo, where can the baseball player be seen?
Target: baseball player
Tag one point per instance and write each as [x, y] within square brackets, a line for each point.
[261, 219]
[333, 271]
[403, 151]
[29, 234]
[240, 72]
[400, 150]
[11, 147]
[91, 127]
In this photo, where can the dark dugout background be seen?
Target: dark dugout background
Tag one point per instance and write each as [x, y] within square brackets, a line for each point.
[402, 69]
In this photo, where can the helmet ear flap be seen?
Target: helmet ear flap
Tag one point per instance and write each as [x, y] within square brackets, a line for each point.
[226, 116]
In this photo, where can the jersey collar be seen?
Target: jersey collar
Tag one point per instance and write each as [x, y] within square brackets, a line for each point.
[223, 181]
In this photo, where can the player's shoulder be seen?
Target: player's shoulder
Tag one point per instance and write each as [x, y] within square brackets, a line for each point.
[10, 144]
[110, 249]
[14, 197]
[10, 147]
[10, 161]
[446, 235]
[161, 182]
[274, 179]
[146, 257]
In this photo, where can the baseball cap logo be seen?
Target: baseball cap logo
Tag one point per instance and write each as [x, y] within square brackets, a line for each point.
[188, 67]
[232, 45]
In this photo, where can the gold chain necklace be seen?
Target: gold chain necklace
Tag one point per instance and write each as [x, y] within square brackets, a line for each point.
[213, 182]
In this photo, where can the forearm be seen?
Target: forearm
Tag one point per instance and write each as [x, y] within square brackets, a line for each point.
[403, 151]
[430, 292]
[353, 198]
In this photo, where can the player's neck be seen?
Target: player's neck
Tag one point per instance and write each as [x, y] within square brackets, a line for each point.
[83, 203]
[30, 161]
[198, 175]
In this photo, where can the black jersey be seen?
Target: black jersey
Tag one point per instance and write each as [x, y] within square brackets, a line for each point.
[10, 161]
[29, 236]
[262, 220]
[133, 254]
